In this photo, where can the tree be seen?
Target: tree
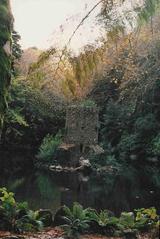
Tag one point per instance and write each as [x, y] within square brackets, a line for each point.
[16, 52]
[144, 11]
[6, 24]
[16, 47]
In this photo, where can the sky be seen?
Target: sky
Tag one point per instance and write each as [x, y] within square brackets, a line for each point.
[44, 23]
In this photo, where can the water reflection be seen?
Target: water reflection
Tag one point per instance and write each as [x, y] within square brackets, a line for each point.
[38, 189]
[50, 191]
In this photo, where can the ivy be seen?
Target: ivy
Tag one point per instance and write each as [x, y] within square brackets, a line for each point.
[5, 59]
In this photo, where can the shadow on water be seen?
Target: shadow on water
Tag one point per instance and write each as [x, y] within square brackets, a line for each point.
[37, 189]
[48, 190]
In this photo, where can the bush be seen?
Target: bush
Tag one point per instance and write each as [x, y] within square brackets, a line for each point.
[129, 144]
[156, 145]
[48, 147]
[146, 219]
[17, 216]
[88, 103]
[79, 220]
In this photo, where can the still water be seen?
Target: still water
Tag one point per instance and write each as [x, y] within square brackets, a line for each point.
[50, 191]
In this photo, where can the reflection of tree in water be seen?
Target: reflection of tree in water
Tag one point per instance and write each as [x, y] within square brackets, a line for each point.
[42, 192]
[77, 190]
[38, 189]
[118, 193]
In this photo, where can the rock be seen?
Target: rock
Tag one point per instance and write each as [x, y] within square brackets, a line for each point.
[83, 178]
[153, 159]
[85, 166]
[68, 155]
[59, 168]
[130, 234]
[94, 227]
[46, 217]
[56, 168]
[105, 169]
[97, 150]
[133, 157]
[84, 162]
[58, 218]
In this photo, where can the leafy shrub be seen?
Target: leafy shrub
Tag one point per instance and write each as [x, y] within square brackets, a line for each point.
[146, 218]
[146, 124]
[127, 220]
[156, 145]
[88, 103]
[29, 222]
[77, 220]
[15, 122]
[129, 143]
[48, 147]
[17, 216]
[107, 224]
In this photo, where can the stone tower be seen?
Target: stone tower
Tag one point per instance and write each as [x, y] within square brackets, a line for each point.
[82, 125]
[81, 137]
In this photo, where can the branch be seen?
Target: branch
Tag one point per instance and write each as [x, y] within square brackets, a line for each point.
[74, 32]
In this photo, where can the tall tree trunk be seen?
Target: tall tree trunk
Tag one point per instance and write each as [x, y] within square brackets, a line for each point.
[6, 25]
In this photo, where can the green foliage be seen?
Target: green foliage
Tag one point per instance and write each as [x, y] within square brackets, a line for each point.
[30, 115]
[29, 222]
[156, 145]
[149, 9]
[76, 221]
[17, 216]
[15, 119]
[146, 124]
[107, 159]
[16, 52]
[45, 186]
[14, 116]
[88, 103]
[48, 147]
[146, 218]
[129, 143]
[127, 220]
[103, 218]
[5, 60]
[16, 47]
[79, 219]
[129, 117]
[8, 202]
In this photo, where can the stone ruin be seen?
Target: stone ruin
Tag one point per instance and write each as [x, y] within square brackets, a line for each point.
[82, 125]
[81, 138]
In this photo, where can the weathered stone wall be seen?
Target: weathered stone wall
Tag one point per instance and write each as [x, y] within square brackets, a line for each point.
[82, 125]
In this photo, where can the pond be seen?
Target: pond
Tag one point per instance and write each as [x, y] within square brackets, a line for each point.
[50, 191]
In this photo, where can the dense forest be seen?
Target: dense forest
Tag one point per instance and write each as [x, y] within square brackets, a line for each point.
[80, 132]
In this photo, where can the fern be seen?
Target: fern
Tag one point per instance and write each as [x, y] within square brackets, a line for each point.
[48, 147]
